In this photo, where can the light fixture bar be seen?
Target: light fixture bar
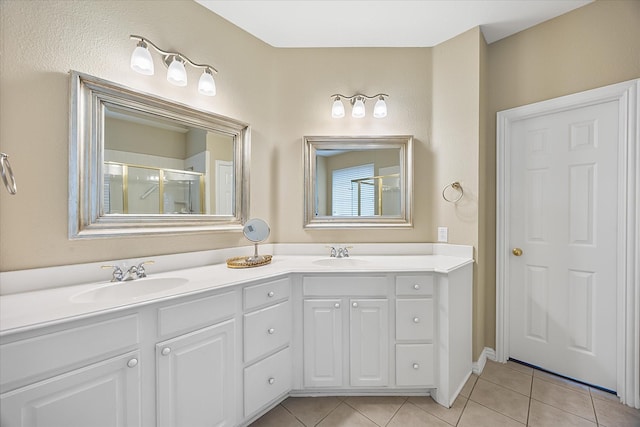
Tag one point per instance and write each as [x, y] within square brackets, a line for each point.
[357, 105]
[167, 54]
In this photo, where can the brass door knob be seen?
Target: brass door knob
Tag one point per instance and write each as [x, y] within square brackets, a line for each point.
[517, 251]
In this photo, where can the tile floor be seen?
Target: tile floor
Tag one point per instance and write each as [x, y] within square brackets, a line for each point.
[504, 395]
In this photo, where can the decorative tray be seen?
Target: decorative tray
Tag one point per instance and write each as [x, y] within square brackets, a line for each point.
[243, 261]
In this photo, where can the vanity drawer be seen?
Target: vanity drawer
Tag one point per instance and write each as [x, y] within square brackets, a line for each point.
[335, 286]
[414, 285]
[266, 329]
[266, 293]
[414, 319]
[266, 380]
[414, 365]
[195, 314]
[32, 359]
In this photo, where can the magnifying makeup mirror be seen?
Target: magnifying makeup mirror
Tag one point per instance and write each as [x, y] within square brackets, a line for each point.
[255, 230]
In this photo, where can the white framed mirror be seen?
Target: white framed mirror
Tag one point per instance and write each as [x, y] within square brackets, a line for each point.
[358, 181]
[139, 164]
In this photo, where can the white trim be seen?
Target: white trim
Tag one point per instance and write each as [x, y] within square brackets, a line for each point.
[627, 94]
[487, 354]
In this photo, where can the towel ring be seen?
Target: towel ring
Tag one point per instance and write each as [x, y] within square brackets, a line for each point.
[455, 186]
[5, 169]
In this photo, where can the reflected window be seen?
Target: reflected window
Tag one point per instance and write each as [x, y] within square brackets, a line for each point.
[352, 191]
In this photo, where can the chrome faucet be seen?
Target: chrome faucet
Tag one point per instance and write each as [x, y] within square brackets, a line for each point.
[339, 252]
[133, 272]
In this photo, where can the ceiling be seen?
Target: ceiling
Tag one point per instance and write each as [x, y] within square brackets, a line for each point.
[383, 23]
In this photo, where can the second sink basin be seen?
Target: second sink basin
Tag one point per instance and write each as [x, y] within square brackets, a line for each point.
[123, 291]
[340, 262]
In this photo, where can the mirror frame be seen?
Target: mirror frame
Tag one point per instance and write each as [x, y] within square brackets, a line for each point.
[402, 142]
[89, 98]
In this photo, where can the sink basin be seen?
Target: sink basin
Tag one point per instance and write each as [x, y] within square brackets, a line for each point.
[123, 291]
[340, 262]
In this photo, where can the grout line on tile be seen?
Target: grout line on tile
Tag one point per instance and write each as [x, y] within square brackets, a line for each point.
[593, 406]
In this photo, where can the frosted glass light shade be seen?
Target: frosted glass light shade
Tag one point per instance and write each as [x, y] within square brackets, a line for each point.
[141, 61]
[206, 84]
[380, 109]
[176, 74]
[337, 109]
[358, 109]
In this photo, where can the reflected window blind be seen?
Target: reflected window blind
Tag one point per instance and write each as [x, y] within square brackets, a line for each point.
[344, 199]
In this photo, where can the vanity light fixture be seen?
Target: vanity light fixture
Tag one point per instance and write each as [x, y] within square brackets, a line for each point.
[142, 62]
[357, 105]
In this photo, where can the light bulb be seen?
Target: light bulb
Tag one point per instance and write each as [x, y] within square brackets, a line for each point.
[206, 84]
[141, 60]
[380, 109]
[358, 109]
[176, 74]
[337, 109]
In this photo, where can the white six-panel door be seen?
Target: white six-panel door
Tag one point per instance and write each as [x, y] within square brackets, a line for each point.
[563, 218]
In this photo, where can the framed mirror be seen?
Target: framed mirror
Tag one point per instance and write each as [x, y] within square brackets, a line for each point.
[358, 181]
[139, 164]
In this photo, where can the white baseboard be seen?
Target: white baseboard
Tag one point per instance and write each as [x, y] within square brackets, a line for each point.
[487, 353]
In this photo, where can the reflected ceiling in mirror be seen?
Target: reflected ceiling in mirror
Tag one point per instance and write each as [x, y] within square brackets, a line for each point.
[358, 181]
[144, 165]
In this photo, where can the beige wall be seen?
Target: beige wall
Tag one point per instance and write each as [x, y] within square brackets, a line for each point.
[445, 96]
[593, 46]
[454, 150]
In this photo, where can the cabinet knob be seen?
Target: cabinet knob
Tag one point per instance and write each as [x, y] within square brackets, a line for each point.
[165, 351]
[355, 305]
[337, 305]
[132, 362]
[416, 320]
[271, 380]
[271, 331]
[416, 286]
[416, 366]
[270, 294]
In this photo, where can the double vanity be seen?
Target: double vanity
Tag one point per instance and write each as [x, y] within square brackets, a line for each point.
[217, 346]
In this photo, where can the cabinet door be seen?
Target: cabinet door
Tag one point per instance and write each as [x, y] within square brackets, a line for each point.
[102, 394]
[369, 342]
[195, 379]
[322, 343]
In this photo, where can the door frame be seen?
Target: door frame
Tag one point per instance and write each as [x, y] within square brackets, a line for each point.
[627, 95]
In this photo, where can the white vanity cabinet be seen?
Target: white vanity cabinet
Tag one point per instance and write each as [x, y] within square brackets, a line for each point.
[195, 380]
[266, 336]
[84, 375]
[345, 336]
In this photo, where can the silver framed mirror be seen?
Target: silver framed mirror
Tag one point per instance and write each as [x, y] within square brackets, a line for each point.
[358, 181]
[139, 164]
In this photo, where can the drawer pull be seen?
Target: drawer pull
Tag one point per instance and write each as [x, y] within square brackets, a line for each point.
[416, 287]
[416, 366]
[165, 351]
[416, 320]
[271, 380]
[132, 363]
[271, 331]
[355, 305]
[270, 294]
[337, 305]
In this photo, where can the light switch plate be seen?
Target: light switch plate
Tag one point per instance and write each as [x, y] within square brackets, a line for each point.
[443, 234]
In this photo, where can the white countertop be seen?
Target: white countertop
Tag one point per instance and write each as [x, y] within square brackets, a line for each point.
[23, 311]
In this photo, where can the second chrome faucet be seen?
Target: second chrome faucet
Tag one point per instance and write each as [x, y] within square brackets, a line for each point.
[132, 273]
[337, 252]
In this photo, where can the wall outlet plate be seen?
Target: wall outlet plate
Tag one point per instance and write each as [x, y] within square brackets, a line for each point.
[443, 234]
